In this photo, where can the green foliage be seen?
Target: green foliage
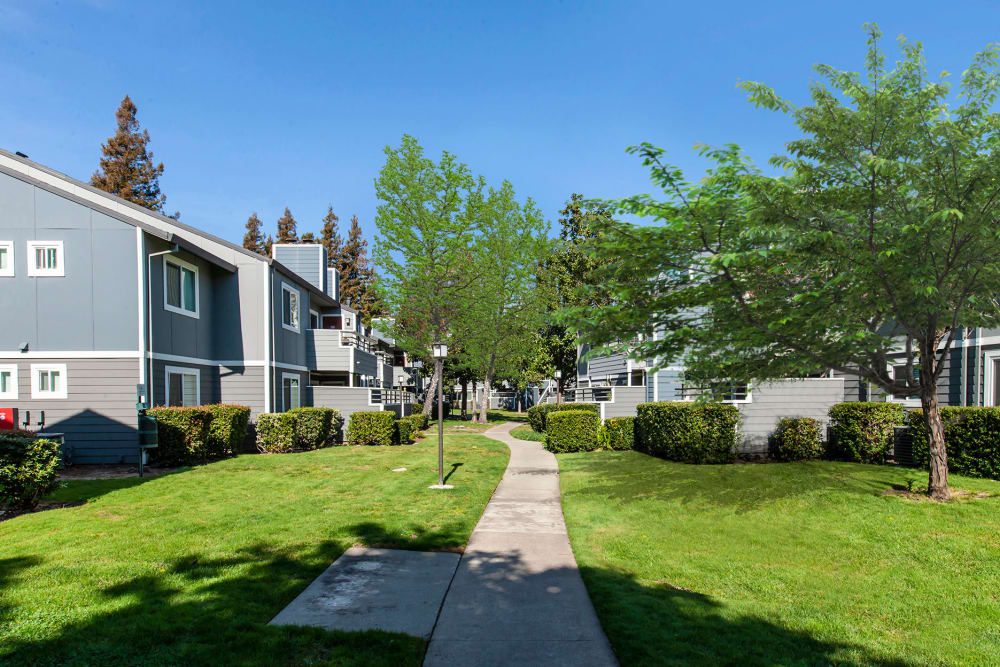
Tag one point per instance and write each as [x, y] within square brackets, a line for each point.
[538, 414]
[524, 432]
[372, 428]
[797, 439]
[276, 432]
[863, 431]
[421, 420]
[227, 429]
[316, 427]
[617, 433]
[403, 431]
[972, 435]
[688, 432]
[572, 431]
[28, 468]
[182, 434]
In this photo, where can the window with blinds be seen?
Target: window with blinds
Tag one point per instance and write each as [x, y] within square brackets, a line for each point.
[6, 258]
[45, 258]
[180, 287]
[182, 387]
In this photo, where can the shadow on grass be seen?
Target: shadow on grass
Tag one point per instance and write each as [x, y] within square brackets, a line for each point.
[90, 489]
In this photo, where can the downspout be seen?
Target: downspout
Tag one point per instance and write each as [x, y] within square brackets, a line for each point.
[149, 313]
[964, 381]
[979, 366]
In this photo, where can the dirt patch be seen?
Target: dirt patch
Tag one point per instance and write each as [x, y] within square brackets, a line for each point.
[917, 495]
[102, 471]
[6, 514]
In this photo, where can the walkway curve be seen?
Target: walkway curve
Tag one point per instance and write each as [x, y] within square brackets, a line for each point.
[517, 597]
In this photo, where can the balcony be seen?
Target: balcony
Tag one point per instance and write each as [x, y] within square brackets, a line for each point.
[345, 351]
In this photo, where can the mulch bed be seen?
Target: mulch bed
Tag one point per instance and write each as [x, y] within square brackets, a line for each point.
[43, 505]
[108, 471]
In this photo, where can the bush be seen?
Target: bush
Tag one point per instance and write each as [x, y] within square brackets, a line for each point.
[571, 431]
[372, 428]
[28, 468]
[688, 432]
[862, 432]
[403, 431]
[316, 427]
[971, 436]
[227, 429]
[182, 435]
[420, 420]
[538, 414]
[797, 439]
[617, 433]
[276, 432]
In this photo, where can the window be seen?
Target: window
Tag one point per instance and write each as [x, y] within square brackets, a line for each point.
[180, 287]
[8, 382]
[899, 374]
[6, 258]
[289, 308]
[183, 386]
[313, 319]
[49, 381]
[347, 323]
[290, 391]
[45, 258]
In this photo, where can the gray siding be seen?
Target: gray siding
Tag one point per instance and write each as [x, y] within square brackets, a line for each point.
[669, 385]
[346, 399]
[324, 352]
[289, 346]
[811, 397]
[174, 333]
[308, 260]
[601, 367]
[279, 397]
[219, 384]
[626, 399]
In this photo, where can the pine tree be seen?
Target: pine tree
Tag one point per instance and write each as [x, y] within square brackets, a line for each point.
[254, 238]
[286, 228]
[308, 237]
[330, 238]
[126, 168]
[357, 277]
[268, 244]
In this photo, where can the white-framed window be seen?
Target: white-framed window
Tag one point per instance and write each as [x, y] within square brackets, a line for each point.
[8, 382]
[183, 386]
[313, 319]
[49, 381]
[289, 307]
[180, 287]
[899, 373]
[291, 396]
[6, 258]
[45, 258]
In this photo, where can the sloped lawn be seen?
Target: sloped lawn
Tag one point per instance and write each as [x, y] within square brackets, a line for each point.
[188, 568]
[801, 563]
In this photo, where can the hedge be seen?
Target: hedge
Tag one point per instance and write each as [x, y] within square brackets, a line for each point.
[182, 435]
[316, 427]
[28, 468]
[227, 429]
[572, 431]
[403, 432]
[276, 432]
[538, 414]
[421, 420]
[971, 436]
[617, 433]
[797, 439]
[862, 432]
[372, 428]
[688, 432]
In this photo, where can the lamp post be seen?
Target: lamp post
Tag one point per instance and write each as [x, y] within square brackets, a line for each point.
[558, 375]
[439, 351]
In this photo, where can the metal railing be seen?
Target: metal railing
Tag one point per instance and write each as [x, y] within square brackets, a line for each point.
[589, 395]
[386, 396]
[352, 339]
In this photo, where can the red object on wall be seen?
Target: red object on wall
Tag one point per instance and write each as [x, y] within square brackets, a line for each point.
[8, 419]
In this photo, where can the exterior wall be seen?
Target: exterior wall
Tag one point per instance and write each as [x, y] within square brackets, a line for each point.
[243, 385]
[304, 394]
[346, 399]
[308, 260]
[289, 346]
[626, 399]
[177, 334]
[601, 367]
[810, 397]
[324, 352]
[387, 375]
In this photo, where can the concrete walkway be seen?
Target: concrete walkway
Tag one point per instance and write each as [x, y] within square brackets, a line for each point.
[517, 597]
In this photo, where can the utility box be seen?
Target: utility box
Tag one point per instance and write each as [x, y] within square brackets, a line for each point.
[148, 435]
[8, 419]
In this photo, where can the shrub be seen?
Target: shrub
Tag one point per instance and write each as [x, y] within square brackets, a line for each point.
[862, 432]
[315, 427]
[182, 435]
[28, 468]
[571, 431]
[617, 433]
[420, 420]
[688, 432]
[276, 432]
[539, 418]
[372, 428]
[535, 417]
[971, 436]
[403, 431]
[797, 439]
[227, 429]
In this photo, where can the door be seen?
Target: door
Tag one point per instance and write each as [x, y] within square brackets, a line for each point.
[333, 322]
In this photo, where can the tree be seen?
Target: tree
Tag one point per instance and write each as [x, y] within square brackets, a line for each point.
[254, 240]
[357, 277]
[126, 167]
[286, 228]
[880, 239]
[308, 238]
[330, 238]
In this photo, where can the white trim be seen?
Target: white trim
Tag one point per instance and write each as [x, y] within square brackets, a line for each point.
[181, 264]
[890, 398]
[291, 367]
[311, 313]
[9, 247]
[181, 370]
[297, 325]
[61, 393]
[72, 354]
[298, 379]
[34, 270]
[989, 375]
[268, 334]
[10, 394]
[656, 386]
[226, 362]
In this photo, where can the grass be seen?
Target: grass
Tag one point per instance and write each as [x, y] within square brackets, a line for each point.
[188, 568]
[528, 433]
[798, 563]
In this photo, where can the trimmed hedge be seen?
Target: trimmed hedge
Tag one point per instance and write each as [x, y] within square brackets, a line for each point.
[316, 427]
[797, 439]
[862, 432]
[276, 432]
[571, 431]
[617, 433]
[28, 468]
[971, 436]
[420, 420]
[403, 431]
[227, 429]
[372, 428]
[688, 432]
[538, 414]
[182, 434]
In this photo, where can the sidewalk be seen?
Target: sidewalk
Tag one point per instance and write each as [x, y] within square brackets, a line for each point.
[517, 597]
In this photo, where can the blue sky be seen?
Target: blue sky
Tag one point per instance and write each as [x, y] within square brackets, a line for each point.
[254, 108]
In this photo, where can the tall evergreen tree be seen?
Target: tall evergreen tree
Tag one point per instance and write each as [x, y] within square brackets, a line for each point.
[308, 237]
[286, 228]
[254, 238]
[330, 238]
[126, 168]
[357, 277]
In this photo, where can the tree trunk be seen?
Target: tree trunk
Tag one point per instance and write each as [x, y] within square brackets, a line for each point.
[475, 399]
[465, 398]
[431, 393]
[487, 382]
[937, 482]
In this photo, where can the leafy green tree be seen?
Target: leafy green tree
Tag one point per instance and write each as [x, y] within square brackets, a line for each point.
[254, 239]
[127, 169]
[881, 238]
[286, 228]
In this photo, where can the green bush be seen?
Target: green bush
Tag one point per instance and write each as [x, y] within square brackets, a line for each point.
[535, 417]
[421, 420]
[571, 431]
[182, 435]
[372, 428]
[797, 439]
[538, 414]
[862, 432]
[276, 432]
[617, 433]
[227, 429]
[403, 431]
[688, 432]
[316, 427]
[971, 436]
[28, 468]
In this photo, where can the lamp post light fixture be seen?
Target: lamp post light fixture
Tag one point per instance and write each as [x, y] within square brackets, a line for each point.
[439, 351]
[558, 376]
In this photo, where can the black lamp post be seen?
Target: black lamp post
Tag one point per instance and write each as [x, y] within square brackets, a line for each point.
[439, 351]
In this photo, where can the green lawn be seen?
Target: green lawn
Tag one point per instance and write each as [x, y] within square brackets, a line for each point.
[797, 563]
[189, 568]
[528, 433]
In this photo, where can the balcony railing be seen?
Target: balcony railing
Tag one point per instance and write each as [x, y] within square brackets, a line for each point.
[589, 395]
[352, 339]
[386, 396]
